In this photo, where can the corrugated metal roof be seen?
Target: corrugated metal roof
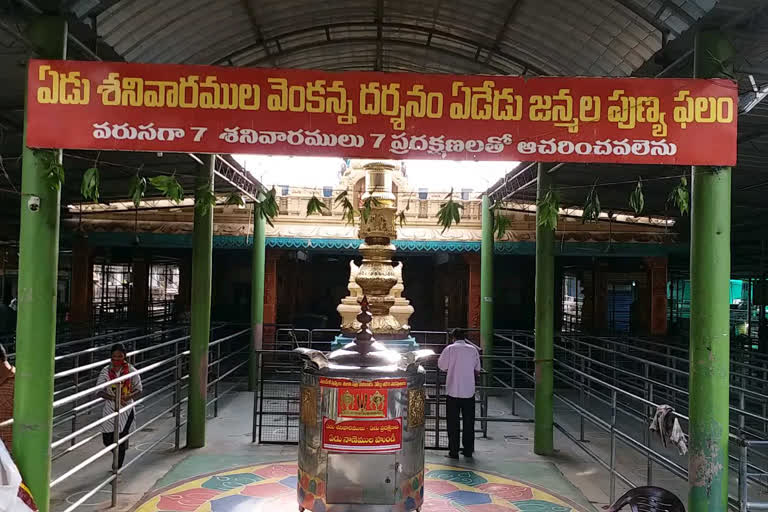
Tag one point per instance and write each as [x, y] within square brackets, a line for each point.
[558, 37]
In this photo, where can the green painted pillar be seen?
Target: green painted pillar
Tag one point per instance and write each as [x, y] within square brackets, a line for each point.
[38, 274]
[202, 258]
[710, 333]
[257, 297]
[486, 284]
[543, 437]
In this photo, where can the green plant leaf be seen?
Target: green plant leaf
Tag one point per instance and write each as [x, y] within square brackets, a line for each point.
[401, 218]
[591, 212]
[169, 186]
[235, 199]
[137, 189]
[268, 208]
[315, 206]
[205, 199]
[347, 208]
[636, 198]
[55, 176]
[548, 209]
[369, 203]
[500, 223]
[449, 212]
[679, 196]
[89, 187]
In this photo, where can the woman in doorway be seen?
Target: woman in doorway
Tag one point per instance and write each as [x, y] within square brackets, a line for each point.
[129, 390]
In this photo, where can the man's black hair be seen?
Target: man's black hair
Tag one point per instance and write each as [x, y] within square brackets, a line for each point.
[459, 334]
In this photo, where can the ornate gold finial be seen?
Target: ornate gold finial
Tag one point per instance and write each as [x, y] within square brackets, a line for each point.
[364, 338]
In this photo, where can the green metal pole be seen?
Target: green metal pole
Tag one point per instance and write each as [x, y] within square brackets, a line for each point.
[543, 437]
[486, 285]
[710, 282]
[202, 257]
[257, 297]
[38, 274]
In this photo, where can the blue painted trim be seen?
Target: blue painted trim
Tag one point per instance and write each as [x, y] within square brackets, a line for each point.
[587, 249]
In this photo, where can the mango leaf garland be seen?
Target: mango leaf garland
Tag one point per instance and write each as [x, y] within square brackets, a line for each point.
[137, 190]
[316, 206]
[205, 199]
[347, 209]
[637, 199]
[268, 208]
[235, 199]
[54, 176]
[89, 187]
[169, 186]
[591, 212]
[400, 216]
[500, 223]
[548, 209]
[449, 212]
[368, 204]
[679, 196]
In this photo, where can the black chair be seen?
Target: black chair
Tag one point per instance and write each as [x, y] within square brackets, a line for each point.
[648, 499]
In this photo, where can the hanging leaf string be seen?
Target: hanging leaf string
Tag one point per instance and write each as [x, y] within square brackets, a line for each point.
[548, 208]
[347, 208]
[369, 203]
[679, 196]
[268, 208]
[591, 211]
[501, 223]
[54, 171]
[137, 189]
[169, 186]
[636, 198]
[449, 213]
[205, 199]
[316, 207]
[89, 187]
[235, 199]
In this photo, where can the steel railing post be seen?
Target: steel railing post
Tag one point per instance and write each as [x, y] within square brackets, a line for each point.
[581, 399]
[76, 379]
[743, 476]
[216, 382]
[512, 383]
[647, 432]
[261, 393]
[437, 408]
[177, 400]
[613, 447]
[116, 439]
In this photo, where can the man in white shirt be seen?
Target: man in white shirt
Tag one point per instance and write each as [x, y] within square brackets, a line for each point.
[461, 361]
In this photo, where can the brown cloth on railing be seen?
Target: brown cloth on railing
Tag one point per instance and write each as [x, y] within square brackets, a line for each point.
[665, 423]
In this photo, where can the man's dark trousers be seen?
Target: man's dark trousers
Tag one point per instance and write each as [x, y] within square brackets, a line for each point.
[467, 408]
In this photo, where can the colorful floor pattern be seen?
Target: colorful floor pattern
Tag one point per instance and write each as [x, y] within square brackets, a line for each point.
[272, 488]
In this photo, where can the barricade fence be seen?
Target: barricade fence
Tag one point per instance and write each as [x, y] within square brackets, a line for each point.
[161, 360]
[616, 386]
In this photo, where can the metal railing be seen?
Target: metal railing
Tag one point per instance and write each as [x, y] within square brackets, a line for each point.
[615, 386]
[276, 405]
[161, 359]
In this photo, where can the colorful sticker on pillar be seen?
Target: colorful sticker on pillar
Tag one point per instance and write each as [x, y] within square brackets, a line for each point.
[357, 399]
[327, 382]
[368, 436]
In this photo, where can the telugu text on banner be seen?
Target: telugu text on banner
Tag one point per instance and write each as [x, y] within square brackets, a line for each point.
[202, 109]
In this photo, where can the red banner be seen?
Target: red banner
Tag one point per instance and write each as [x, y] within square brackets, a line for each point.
[363, 435]
[201, 109]
[362, 399]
